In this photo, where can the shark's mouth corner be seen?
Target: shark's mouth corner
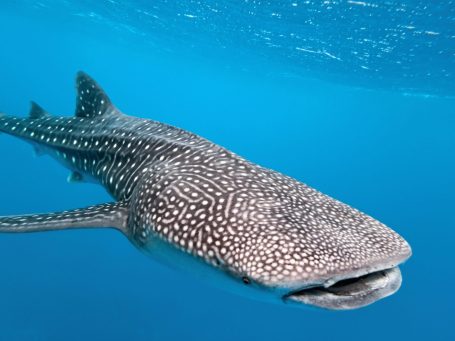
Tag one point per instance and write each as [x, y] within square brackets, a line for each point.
[350, 293]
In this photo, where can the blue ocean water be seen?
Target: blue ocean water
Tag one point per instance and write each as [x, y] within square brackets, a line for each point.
[354, 98]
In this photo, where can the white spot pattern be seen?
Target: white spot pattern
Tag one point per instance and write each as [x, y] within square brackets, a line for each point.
[253, 222]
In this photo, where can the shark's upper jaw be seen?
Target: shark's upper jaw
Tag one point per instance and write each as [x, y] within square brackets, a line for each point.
[350, 293]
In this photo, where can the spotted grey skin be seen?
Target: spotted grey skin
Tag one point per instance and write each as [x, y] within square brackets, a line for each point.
[196, 205]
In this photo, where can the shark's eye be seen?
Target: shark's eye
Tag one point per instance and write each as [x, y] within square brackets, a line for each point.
[246, 280]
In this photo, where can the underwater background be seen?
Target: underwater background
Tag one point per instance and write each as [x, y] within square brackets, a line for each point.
[354, 98]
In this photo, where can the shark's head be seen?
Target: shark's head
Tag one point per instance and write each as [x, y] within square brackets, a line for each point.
[314, 250]
[332, 268]
[275, 237]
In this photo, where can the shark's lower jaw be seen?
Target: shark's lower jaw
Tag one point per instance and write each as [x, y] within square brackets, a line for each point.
[350, 293]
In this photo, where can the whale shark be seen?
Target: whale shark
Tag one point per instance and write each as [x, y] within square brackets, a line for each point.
[203, 209]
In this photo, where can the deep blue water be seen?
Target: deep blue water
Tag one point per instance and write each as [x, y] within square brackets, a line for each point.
[353, 98]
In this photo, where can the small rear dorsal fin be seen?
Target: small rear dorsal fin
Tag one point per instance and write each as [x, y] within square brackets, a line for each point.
[36, 111]
[91, 100]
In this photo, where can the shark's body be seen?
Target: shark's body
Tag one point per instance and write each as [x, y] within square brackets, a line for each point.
[194, 204]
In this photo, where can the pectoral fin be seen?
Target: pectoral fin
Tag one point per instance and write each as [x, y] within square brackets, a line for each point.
[113, 215]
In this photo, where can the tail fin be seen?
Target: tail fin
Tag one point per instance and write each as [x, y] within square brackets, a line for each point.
[112, 215]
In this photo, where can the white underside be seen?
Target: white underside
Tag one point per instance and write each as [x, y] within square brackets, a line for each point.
[172, 257]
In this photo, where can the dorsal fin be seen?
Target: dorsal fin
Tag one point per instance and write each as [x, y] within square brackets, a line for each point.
[91, 100]
[36, 111]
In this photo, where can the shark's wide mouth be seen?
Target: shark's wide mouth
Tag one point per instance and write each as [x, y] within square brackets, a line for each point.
[350, 293]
